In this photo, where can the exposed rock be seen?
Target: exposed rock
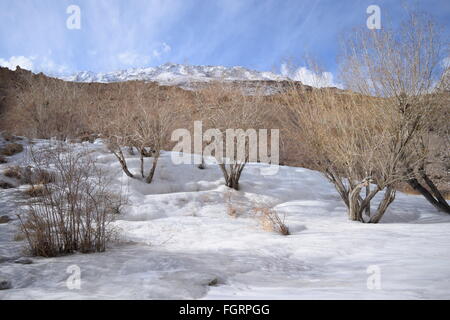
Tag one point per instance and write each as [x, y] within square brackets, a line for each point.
[5, 185]
[5, 284]
[5, 219]
[24, 260]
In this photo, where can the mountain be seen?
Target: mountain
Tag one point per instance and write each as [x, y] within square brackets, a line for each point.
[178, 74]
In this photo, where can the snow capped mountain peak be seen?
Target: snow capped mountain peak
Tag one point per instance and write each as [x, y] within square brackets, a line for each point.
[177, 74]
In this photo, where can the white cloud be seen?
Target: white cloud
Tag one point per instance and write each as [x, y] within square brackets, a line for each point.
[134, 59]
[308, 77]
[14, 61]
[131, 58]
[446, 62]
[162, 49]
[35, 63]
[50, 67]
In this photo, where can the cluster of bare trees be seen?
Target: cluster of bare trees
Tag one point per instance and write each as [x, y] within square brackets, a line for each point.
[377, 134]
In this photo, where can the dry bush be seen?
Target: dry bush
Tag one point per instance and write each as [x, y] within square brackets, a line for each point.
[29, 175]
[271, 221]
[11, 149]
[74, 212]
[3, 160]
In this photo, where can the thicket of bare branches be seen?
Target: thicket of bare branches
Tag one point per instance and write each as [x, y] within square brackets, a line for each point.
[73, 212]
[44, 112]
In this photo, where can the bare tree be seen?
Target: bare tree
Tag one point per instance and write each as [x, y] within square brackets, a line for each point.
[152, 123]
[401, 67]
[113, 121]
[342, 135]
[144, 122]
[235, 116]
[365, 140]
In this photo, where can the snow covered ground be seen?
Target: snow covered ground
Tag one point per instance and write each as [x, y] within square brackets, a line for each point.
[178, 242]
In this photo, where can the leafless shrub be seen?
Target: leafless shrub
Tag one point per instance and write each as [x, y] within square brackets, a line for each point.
[74, 212]
[3, 160]
[271, 221]
[11, 149]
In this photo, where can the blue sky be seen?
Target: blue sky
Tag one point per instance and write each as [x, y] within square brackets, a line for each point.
[121, 34]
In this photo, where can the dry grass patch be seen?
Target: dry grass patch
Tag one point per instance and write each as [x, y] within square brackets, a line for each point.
[36, 191]
[271, 221]
[232, 210]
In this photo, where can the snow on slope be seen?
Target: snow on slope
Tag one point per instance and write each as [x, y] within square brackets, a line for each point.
[176, 74]
[178, 240]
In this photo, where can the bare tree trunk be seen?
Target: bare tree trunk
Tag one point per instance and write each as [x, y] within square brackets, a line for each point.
[354, 204]
[442, 203]
[367, 211]
[435, 198]
[149, 178]
[341, 189]
[202, 165]
[141, 156]
[119, 155]
[232, 177]
[388, 198]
